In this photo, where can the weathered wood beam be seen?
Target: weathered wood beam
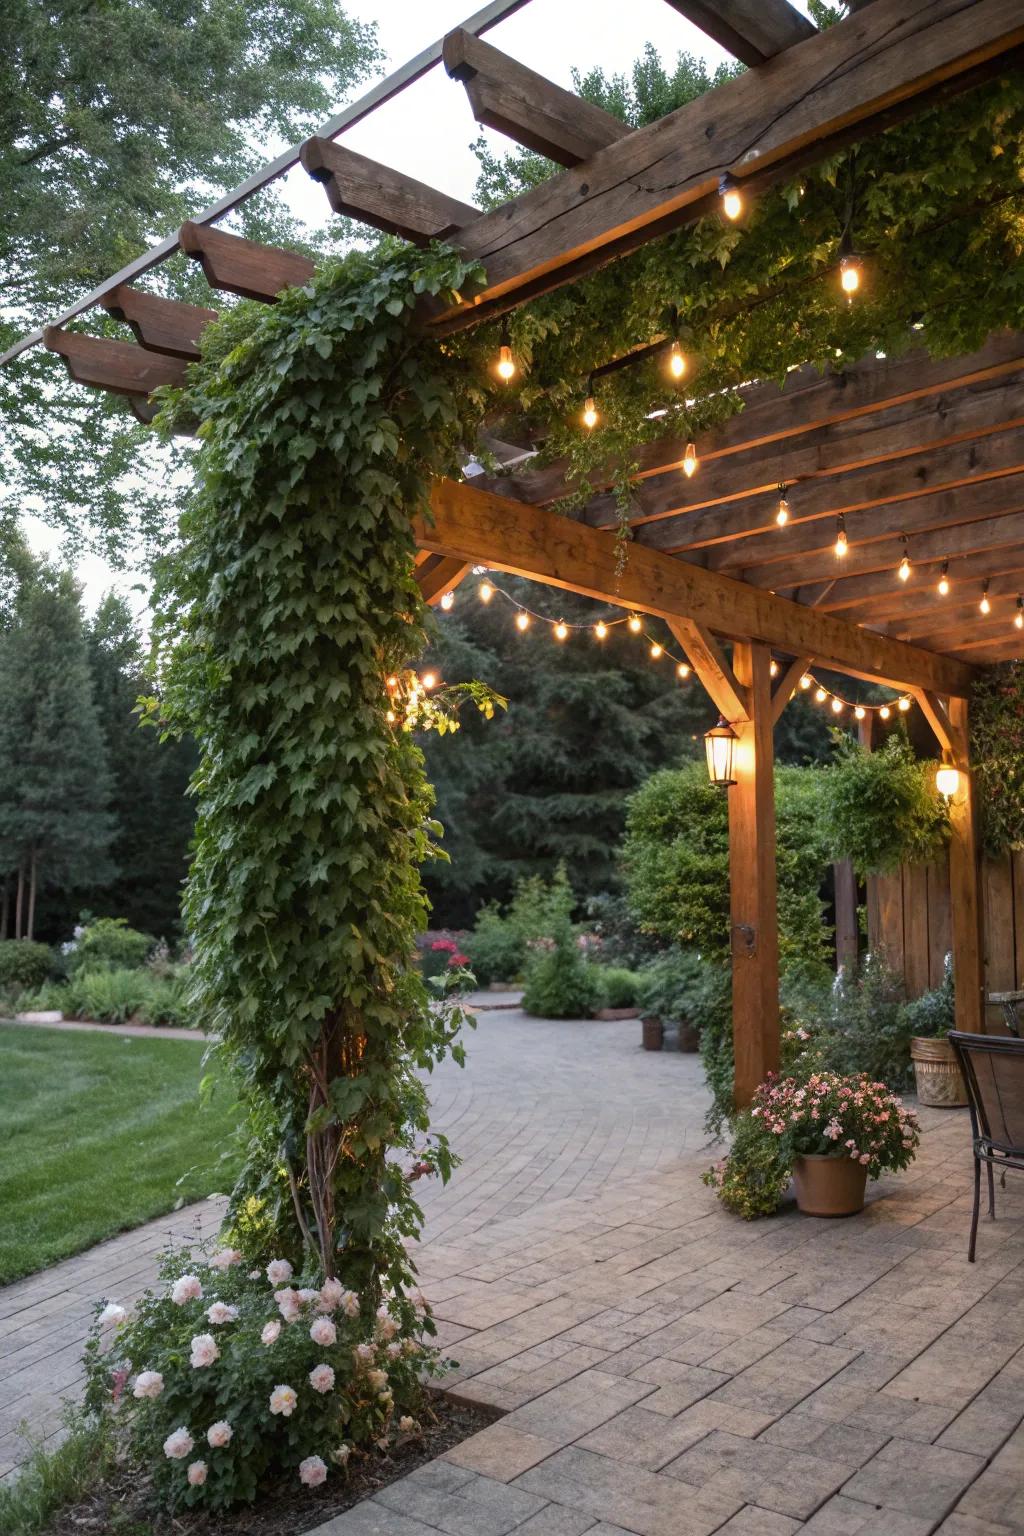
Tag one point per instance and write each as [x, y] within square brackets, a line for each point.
[935, 543]
[935, 712]
[871, 596]
[904, 452]
[977, 634]
[512, 99]
[117, 366]
[752, 882]
[358, 188]
[160, 325]
[788, 684]
[477, 526]
[242, 266]
[751, 30]
[711, 665]
[438, 574]
[806, 401]
[965, 901]
[856, 78]
[962, 618]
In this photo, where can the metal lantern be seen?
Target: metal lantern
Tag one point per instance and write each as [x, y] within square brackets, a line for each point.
[719, 743]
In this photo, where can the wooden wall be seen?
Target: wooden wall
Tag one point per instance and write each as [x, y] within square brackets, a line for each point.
[909, 917]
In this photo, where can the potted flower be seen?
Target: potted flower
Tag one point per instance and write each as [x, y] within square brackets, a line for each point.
[940, 1082]
[835, 1132]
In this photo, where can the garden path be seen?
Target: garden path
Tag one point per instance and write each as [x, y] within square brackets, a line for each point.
[543, 1110]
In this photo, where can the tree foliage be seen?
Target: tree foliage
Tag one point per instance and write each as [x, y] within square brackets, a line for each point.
[997, 755]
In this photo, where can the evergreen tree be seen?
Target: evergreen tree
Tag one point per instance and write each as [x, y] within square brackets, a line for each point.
[55, 827]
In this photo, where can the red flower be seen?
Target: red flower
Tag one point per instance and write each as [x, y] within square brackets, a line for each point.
[449, 946]
[457, 960]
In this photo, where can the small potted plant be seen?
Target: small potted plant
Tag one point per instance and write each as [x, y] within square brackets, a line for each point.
[835, 1132]
[940, 1082]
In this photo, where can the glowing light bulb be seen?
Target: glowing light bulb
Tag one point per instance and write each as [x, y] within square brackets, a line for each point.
[656, 651]
[837, 706]
[732, 201]
[429, 680]
[820, 695]
[782, 511]
[392, 682]
[903, 569]
[904, 704]
[850, 270]
[601, 629]
[486, 591]
[506, 363]
[590, 417]
[806, 680]
[522, 621]
[947, 780]
[635, 623]
[943, 588]
[773, 668]
[390, 717]
[447, 601]
[860, 712]
[690, 459]
[561, 630]
[842, 542]
[1018, 617]
[885, 712]
[985, 605]
[676, 361]
[682, 670]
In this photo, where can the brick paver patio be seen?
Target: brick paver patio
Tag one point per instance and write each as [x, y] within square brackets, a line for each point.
[662, 1368]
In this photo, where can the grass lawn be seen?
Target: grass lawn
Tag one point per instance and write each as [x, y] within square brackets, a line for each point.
[100, 1132]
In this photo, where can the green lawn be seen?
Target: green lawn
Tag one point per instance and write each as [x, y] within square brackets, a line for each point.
[101, 1132]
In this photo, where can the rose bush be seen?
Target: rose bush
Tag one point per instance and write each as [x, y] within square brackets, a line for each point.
[228, 1377]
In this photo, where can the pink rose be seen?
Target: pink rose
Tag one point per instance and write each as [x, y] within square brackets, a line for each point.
[271, 1332]
[187, 1288]
[312, 1471]
[197, 1474]
[279, 1271]
[283, 1401]
[148, 1384]
[323, 1332]
[220, 1312]
[224, 1258]
[219, 1434]
[321, 1378]
[178, 1444]
[204, 1350]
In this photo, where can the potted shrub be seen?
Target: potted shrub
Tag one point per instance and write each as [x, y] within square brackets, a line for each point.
[929, 1018]
[667, 993]
[618, 989]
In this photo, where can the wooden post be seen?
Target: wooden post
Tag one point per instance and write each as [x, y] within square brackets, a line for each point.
[965, 885]
[847, 933]
[755, 936]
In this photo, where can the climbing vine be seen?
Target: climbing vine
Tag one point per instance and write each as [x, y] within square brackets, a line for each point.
[997, 755]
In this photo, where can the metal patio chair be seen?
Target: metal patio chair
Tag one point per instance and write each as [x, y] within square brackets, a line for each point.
[993, 1069]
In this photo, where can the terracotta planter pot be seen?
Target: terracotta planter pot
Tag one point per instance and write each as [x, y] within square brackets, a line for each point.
[940, 1082]
[609, 1014]
[689, 1038]
[653, 1034]
[829, 1186]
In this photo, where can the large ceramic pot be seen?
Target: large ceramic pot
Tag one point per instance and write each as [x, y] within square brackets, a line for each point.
[829, 1186]
[940, 1082]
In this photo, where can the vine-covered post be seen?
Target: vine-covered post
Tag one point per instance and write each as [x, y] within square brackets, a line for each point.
[752, 881]
[965, 883]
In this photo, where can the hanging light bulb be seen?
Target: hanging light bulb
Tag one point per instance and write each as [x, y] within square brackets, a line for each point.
[600, 629]
[682, 670]
[676, 361]
[561, 630]
[486, 591]
[943, 588]
[390, 717]
[429, 680]
[851, 267]
[820, 695]
[837, 706]
[842, 542]
[903, 569]
[732, 200]
[904, 704]
[985, 605]
[656, 651]
[1018, 617]
[447, 601]
[885, 712]
[782, 511]
[859, 712]
[506, 362]
[590, 416]
[806, 680]
[392, 683]
[773, 668]
[522, 620]
[635, 624]
[690, 459]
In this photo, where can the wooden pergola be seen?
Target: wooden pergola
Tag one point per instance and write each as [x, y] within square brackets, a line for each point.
[918, 449]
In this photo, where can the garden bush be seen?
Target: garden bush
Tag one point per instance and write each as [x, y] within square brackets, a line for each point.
[118, 997]
[671, 989]
[496, 949]
[560, 981]
[867, 1028]
[227, 1377]
[441, 954]
[499, 944]
[617, 987]
[24, 964]
[882, 808]
[108, 944]
[932, 1015]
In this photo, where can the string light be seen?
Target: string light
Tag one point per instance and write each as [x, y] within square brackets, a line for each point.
[590, 417]
[732, 201]
[656, 650]
[690, 459]
[903, 569]
[447, 601]
[635, 623]
[522, 620]
[837, 706]
[506, 362]
[842, 542]
[943, 587]
[850, 270]
[682, 670]
[885, 711]
[601, 630]
[821, 695]
[903, 704]
[985, 605]
[1018, 617]
[392, 683]
[486, 591]
[561, 630]
[676, 361]
[806, 680]
[782, 511]
[860, 712]
[429, 680]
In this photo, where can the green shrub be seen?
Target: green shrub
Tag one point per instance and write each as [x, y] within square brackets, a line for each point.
[119, 997]
[753, 1177]
[54, 1478]
[496, 949]
[108, 944]
[671, 988]
[560, 983]
[867, 1029]
[618, 987]
[24, 964]
[499, 945]
[882, 808]
[932, 1015]
[620, 940]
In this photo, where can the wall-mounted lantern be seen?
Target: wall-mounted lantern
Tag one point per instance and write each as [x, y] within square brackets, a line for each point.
[719, 743]
[947, 780]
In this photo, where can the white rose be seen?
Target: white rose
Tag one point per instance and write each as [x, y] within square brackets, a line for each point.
[112, 1315]
[197, 1473]
[187, 1288]
[220, 1433]
[204, 1350]
[220, 1312]
[224, 1258]
[148, 1384]
[331, 1293]
[341, 1454]
[323, 1332]
[271, 1332]
[321, 1378]
[178, 1444]
[279, 1271]
[312, 1471]
[283, 1400]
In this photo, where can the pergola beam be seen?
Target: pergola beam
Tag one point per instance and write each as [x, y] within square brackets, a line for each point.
[477, 526]
[711, 665]
[751, 30]
[874, 596]
[244, 267]
[854, 79]
[438, 574]
[363, 189]
[160, 325]
[117, 366]
[516, 101]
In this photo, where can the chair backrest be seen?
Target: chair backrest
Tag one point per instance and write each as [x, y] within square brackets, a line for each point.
[993, 1069]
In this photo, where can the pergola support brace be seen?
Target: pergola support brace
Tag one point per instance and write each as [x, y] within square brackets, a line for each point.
[965, 901]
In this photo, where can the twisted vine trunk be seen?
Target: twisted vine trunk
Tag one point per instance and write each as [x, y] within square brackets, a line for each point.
[339, 1052]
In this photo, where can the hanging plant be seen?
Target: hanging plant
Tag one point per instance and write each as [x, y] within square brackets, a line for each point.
[881, 808]
[997, 755]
